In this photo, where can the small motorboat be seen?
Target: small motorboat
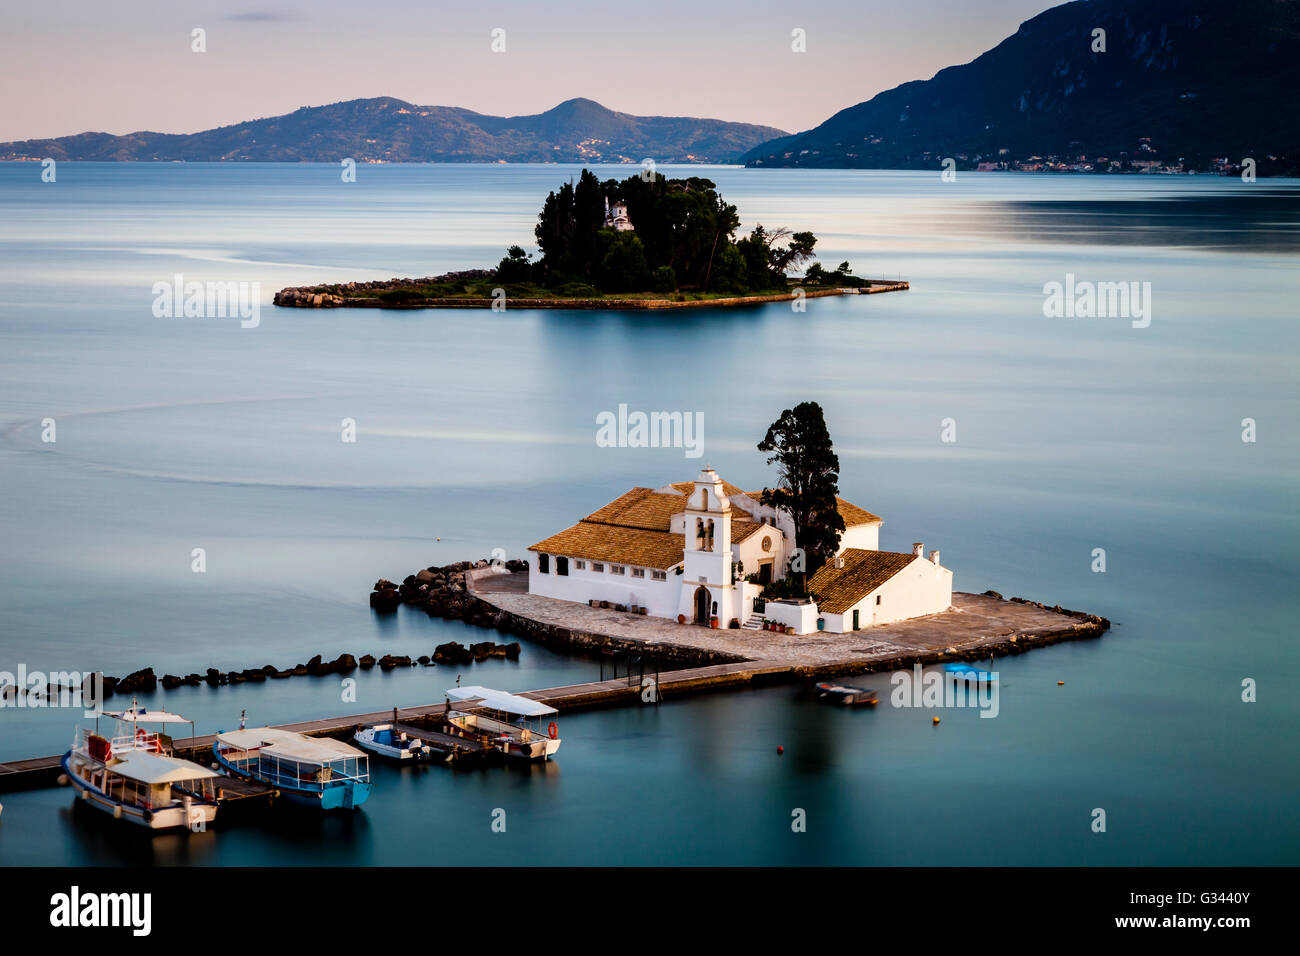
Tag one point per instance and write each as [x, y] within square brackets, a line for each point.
[848, 696]
[970, 673]
[385, 741]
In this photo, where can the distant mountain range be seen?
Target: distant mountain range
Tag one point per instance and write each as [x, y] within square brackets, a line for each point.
[1190, 79]
[391, 130]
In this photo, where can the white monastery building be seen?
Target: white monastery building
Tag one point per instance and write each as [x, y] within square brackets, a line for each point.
[616, 217]
[686, 549]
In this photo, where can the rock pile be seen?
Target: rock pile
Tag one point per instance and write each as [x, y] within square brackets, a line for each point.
[440, 592]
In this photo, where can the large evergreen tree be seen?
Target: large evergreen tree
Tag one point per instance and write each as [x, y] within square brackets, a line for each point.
[808, 480]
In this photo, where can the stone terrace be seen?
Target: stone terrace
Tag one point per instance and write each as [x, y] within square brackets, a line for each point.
[975, 621]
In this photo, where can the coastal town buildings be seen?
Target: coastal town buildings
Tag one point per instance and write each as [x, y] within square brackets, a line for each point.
[703, 551]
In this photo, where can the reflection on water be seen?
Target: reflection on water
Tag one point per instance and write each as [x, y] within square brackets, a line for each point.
[1255, 219]
[476, 431]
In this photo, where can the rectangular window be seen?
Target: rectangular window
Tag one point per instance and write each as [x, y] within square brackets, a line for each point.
[579, 564]
[597, 567]
[659, 575]
[616, 569]
[562, 566]
[638, 572]
[544, 563]
[877, 598]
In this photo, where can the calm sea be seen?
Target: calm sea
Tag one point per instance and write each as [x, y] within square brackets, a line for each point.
[476, 431]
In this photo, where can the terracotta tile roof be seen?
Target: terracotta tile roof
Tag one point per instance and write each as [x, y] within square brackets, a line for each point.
[640, 508]
[740, 530]
[864, 571]
[603, 542]
[852, 514]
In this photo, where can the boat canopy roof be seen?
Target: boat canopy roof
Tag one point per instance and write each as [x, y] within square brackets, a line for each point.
[152, 768]
[288, 745]
[148, 716]
[500, 700]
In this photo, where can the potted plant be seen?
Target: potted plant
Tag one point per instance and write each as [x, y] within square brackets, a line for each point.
[713, 622]
[735, 623]
[681, 618]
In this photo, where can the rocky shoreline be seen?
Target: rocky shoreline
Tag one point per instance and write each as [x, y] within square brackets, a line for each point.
[1082, 625]
[389, 294]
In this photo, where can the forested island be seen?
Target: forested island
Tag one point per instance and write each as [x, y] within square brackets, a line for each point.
[645, 242]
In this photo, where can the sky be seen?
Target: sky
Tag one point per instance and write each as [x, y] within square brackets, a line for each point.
[71, 66]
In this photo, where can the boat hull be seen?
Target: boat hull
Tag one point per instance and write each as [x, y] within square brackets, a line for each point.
[197, 816]
[367, 740]
[507, 742]
[348, 796]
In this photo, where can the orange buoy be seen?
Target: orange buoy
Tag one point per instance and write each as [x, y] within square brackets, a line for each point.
[1059, 683]
[936, 719]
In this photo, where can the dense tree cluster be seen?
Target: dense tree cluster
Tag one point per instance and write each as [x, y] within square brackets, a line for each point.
[683, 238]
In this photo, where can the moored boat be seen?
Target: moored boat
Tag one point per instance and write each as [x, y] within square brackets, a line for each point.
[508, 723]
[969, 672]
[312, 771]
[849, 696]
[386, 741]
[133, 776]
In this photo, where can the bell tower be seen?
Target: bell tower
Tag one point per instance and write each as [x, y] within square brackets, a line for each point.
[707, 587]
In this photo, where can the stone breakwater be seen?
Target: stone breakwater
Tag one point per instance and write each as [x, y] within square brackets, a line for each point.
[146, 680]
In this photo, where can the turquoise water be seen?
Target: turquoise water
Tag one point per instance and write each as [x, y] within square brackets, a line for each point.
[478, 429]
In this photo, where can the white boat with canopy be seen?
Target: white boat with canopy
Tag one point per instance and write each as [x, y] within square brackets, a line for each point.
[387, 741]
[512, 724]
[133, 775]
[316, 771]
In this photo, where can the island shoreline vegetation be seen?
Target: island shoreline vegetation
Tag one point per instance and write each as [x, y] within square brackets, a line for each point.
[677, 247]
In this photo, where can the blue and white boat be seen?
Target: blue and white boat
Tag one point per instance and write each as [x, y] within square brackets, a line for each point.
[387, 741]
[133, 776]
[970, 673]
[312, 771]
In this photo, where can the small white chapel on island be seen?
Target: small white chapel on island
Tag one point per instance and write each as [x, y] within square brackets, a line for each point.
[702, 551]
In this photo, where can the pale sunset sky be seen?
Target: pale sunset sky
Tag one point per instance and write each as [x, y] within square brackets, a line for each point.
[70, 66]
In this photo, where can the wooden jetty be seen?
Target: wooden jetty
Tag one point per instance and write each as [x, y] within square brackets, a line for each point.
[425, 721]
